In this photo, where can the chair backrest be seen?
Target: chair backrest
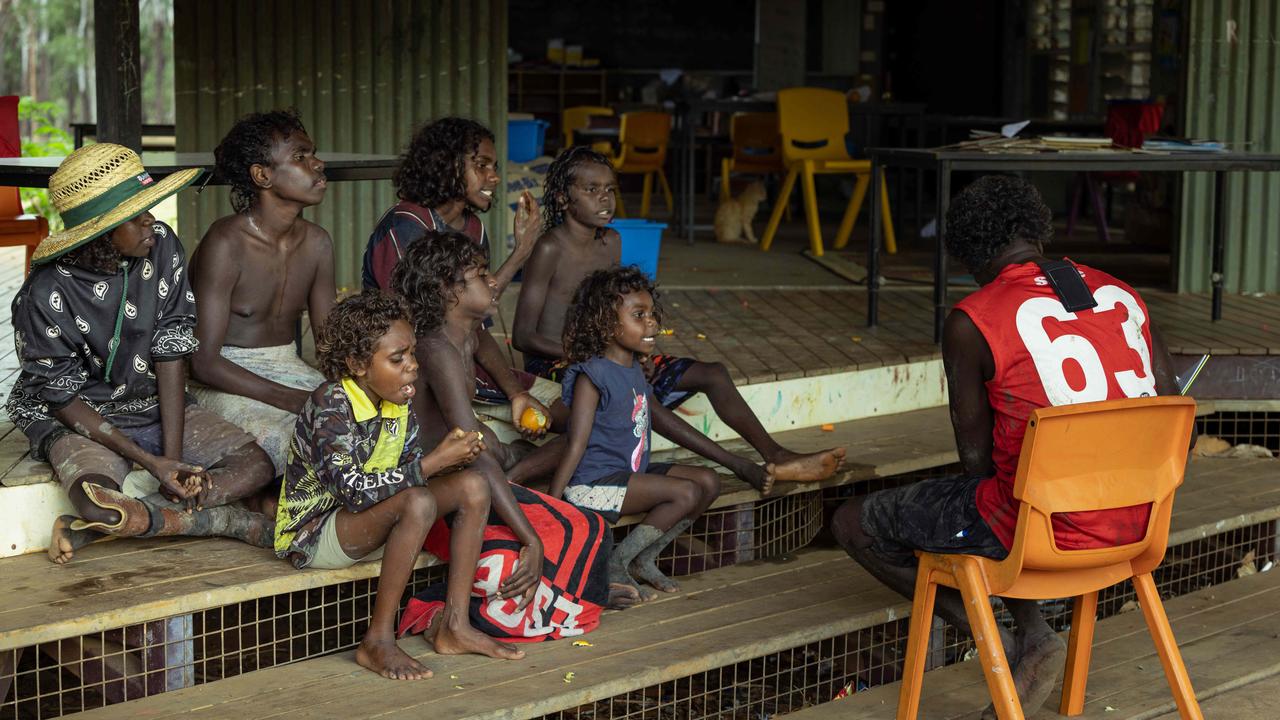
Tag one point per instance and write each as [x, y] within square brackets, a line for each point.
[643, 138]
[813, 123]
[757, 146]
[10, 146]
[1100, 456]
[579, 117]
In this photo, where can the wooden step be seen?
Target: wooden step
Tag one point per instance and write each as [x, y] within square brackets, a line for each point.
[1226, 633]
[724, 616]
[121, 582]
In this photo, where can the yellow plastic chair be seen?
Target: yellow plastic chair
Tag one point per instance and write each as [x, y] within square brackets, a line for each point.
[1090, 456]
[643, 140]
[813, 123]
[579, 118]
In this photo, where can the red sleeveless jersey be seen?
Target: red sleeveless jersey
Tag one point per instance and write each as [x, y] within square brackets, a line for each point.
[1045, 356]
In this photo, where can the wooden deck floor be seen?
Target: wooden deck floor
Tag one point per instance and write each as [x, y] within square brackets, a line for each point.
[722, 616]
[1225, 633]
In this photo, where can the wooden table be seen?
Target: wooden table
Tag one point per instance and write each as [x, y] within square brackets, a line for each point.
[945, 161]
[35, 171]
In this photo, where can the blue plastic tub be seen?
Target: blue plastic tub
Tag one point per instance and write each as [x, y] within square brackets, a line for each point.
[641, 241]
[525, 139]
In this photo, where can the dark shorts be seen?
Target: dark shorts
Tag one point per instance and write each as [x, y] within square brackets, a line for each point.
[937, 515]
[667, 371]
[487, 390]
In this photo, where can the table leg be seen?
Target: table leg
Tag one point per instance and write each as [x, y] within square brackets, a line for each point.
[940, 253]
[690, 157]
[1219, 240]
[873, 248]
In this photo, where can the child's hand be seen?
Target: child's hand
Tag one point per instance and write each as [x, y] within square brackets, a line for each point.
[458, 449]
[526, 578]
[178, 480]
[519, 404]
[528, 223]
[646, 364]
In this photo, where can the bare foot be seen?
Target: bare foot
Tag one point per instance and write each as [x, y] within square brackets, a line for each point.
[1039, 665]
[760, 477]
[386, 658]
[623, 596]
[650, 573]
[796, 467]
[63, 541]
[466, 639]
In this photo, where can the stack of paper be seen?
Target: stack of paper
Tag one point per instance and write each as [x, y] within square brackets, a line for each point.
[1062, 142]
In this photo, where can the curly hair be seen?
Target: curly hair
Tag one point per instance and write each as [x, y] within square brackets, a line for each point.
[992, 212]
[432, 168]
[97, 254]
[560, 176]
[353, 328]
[249, 143]
[590, 322]
[428, 272]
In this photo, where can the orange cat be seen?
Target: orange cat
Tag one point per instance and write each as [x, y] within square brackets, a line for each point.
[733, 217]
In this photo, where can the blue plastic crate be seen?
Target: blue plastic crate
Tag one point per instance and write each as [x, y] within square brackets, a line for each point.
[525, 139]
[641, 242]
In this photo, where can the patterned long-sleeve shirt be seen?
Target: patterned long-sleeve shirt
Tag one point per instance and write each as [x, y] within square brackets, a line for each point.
[85, 334]
[345, 453]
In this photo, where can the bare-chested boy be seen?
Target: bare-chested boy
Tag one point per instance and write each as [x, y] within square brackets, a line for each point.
[446, 178]
[255, 273]
[578, 203]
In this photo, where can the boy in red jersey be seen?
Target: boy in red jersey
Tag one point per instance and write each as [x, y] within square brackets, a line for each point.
[1009, 348]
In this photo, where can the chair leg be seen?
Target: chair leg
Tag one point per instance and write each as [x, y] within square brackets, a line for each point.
[1084, 617]
[890, 237]
[620, 209]
[1074, 212]
[995, 666]
[1166, 647]
[917, 645]
[724, 179]
[811, 208]
[1099, 212]
[852, 210]
[784, 196]
[644, 195]
[666, 191]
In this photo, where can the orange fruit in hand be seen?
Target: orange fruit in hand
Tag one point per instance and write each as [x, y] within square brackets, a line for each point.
[532, 419]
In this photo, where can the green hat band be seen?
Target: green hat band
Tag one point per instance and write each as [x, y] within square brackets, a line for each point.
[107, 201]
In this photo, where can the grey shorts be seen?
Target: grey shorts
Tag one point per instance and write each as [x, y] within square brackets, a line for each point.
[936, 515]
[327, 552]
[206, 439]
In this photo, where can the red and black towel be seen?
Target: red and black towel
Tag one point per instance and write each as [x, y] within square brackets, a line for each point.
[574, 587]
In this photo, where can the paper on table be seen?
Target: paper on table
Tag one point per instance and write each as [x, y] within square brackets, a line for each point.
[1014, 128]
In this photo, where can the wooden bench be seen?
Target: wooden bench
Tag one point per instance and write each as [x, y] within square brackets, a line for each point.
[724, 616]
[1226, 634]
[115, 583]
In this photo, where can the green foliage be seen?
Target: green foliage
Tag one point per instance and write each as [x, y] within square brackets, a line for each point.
[47, 139]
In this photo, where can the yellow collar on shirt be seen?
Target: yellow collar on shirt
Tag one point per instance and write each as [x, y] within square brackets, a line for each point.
[362, 407]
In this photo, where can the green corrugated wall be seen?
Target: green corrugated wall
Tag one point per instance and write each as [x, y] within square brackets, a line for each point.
[362, 74]
[1233, 94]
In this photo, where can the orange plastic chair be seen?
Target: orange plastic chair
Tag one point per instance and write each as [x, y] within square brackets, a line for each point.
[578, 118]
[756, 149]
[16, 227]
[1090, 456]
[813, 123]
[643, 140]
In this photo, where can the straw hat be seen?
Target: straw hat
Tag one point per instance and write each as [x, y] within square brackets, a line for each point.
[99, 187]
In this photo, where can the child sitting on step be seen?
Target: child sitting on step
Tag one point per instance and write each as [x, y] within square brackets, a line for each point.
[577, 207]
[358, 487]
[611, 324]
